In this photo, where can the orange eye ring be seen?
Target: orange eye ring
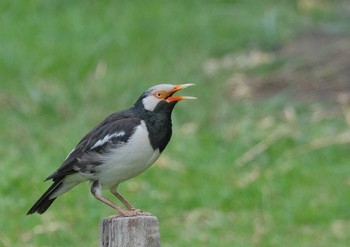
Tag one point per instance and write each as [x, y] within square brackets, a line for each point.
[159, 94]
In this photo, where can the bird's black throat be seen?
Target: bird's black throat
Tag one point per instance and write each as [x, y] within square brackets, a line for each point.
[158, 123]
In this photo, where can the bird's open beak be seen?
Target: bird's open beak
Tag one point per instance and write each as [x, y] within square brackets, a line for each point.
[174, 98]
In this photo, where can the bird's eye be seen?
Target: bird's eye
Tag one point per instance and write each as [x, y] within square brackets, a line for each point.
[158, 95]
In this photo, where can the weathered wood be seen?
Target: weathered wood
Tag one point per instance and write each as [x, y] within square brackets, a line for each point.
[140, 231]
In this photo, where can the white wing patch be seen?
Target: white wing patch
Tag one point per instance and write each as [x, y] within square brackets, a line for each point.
[107, 138]
[70, 153]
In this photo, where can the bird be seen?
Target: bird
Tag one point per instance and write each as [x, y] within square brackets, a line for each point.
[121, 147]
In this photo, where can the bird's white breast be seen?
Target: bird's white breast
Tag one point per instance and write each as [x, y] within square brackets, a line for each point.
[128, 160]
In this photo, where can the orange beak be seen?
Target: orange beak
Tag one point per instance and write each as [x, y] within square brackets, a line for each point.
[175, 98]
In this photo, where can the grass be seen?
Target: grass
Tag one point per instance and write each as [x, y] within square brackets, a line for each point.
[237, 173]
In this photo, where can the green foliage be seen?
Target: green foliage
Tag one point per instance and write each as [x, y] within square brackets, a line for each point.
[64, 65]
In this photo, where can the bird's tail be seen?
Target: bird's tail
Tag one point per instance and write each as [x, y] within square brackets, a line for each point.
[46, 200]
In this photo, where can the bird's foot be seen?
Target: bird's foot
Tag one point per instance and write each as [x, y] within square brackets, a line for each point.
[140, 212]
[133, 212]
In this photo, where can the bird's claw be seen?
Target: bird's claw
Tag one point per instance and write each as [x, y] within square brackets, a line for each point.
[133, 212]
[140, 212]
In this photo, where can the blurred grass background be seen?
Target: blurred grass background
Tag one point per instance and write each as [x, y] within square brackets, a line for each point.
[260, 159]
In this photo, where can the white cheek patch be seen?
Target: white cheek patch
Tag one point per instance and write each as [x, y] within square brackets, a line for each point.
[107, 138]
[150, 102]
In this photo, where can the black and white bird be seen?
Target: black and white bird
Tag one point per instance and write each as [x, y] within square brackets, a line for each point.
[122, 146]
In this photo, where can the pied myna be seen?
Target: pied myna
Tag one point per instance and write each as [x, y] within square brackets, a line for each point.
[122, 146]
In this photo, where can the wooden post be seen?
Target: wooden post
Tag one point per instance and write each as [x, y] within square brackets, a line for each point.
[140, 231]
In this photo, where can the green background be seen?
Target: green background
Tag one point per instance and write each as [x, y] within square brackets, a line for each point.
[243, 168]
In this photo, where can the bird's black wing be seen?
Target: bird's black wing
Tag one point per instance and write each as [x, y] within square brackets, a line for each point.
[116, 129]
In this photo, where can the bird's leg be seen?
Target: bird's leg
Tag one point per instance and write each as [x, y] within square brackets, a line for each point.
[122, 199]
[133, 210]
[96, 192]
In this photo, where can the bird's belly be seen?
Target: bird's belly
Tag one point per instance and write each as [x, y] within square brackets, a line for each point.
[128, 160]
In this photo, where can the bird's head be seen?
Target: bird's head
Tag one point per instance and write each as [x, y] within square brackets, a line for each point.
[162, 95]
